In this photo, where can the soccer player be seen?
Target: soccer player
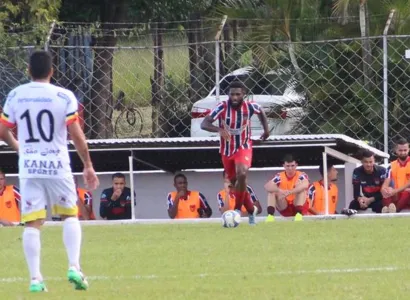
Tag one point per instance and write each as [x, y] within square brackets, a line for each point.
[226, 198]
[398, 198]
[367, 182]
[316, 192]
[84, 203]
[287, 191]
[115, 202]
[234, 116]
[42, 113]
[185, 204]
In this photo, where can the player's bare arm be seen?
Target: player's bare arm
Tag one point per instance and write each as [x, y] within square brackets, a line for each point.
[385, 189]
[173, 210]
[271, 187]
[208, 126]
[80, 144]
[264, 121]
[300, 187]
[8, 138]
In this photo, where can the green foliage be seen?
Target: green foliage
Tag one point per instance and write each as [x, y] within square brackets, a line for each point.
[26, 22]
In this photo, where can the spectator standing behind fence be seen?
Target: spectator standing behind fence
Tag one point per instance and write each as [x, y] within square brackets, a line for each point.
[184, 204]
[9, 202]
[226, 198]
[367, 182]
[397, 198]
[115, 203]
[316, 193]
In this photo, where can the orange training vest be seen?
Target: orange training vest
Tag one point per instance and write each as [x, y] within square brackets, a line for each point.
[400, 173]
[188, 208]
[9, 209]
[319, 198]
[288, 184]
[81, 195]
[231, 202]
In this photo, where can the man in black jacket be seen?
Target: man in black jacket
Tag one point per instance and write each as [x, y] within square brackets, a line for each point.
[115, 203]
[367, 182]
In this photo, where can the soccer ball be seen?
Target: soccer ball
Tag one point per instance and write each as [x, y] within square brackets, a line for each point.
[231, 219]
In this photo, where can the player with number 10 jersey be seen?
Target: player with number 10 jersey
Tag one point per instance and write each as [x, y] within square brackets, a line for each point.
[42, 112]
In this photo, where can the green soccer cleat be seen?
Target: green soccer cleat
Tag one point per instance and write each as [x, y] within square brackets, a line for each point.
[270, 218]
[298, 217]
[78, 279]
[36, 287]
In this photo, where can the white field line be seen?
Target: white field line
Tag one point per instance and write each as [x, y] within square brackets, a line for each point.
[212, 275]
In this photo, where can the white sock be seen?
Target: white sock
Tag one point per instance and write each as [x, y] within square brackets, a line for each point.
[72, 241]
[32, 249]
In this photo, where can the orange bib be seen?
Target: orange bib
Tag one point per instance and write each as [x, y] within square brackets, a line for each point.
[400, 173]
[319, 198]
[232, 201]
[188, 208]
[288, 184]
[81, 196]
[9, 209]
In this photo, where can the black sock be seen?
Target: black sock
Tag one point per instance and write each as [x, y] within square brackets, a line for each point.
[271, 210]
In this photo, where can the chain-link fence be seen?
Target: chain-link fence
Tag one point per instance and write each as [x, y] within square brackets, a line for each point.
[165, 85]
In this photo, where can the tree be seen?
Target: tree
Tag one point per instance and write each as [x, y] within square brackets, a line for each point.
[22, 23]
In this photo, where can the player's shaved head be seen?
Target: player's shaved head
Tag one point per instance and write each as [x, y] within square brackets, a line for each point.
[40, 65]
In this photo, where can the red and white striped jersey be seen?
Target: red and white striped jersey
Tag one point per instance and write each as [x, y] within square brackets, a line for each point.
[237, 122]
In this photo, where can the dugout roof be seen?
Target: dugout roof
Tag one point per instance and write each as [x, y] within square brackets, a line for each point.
[175, 154]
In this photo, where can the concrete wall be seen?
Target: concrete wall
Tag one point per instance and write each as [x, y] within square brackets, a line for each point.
[152, 189]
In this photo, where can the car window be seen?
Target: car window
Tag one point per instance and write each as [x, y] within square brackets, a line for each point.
[270, 84]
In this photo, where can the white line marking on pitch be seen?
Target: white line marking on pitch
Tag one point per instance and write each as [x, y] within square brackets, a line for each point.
[203, 275]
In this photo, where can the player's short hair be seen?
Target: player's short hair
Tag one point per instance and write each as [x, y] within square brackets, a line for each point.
[400, 141]
[118, 175]
[288, 158]
[2, 171]
[180, 175]
[366, 154]
[321, 167]
[41, 64]
[237, 85]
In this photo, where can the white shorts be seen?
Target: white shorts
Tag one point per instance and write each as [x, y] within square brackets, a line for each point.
[36, 193]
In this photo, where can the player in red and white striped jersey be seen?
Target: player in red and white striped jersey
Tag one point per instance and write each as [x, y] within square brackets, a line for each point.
[234, 117]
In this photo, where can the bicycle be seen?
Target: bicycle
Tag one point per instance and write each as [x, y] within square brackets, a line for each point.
[129, 123]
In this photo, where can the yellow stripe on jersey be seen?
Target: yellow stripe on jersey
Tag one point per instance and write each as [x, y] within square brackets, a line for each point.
[71, 117]
[4, 118]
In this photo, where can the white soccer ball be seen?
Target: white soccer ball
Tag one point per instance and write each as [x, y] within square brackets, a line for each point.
[231, 219]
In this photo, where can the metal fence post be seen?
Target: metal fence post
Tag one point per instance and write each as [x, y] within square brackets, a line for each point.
[385, 86]
[217, 56]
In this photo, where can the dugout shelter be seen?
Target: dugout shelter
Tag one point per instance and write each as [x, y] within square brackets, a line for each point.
[178, 154]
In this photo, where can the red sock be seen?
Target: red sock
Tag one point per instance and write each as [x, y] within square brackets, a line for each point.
[387, 201]
[271, 210]
[300, 209]
[403, 201]
[248, 203]
[239, 198]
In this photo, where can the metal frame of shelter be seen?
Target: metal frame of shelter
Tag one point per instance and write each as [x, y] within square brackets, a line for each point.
[178, 154]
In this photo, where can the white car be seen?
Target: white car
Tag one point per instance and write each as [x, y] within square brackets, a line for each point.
[273, 91]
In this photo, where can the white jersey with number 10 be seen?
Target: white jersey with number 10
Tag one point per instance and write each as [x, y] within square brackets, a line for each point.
[41, 112]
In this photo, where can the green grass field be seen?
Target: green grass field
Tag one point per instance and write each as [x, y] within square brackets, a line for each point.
[339, 259]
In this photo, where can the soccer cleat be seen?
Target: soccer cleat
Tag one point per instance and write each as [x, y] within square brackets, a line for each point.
[37, 286]
[298, 217]
[385, 210]
[77, 278]
[270, 218]
[252, 216]
[392, 208]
